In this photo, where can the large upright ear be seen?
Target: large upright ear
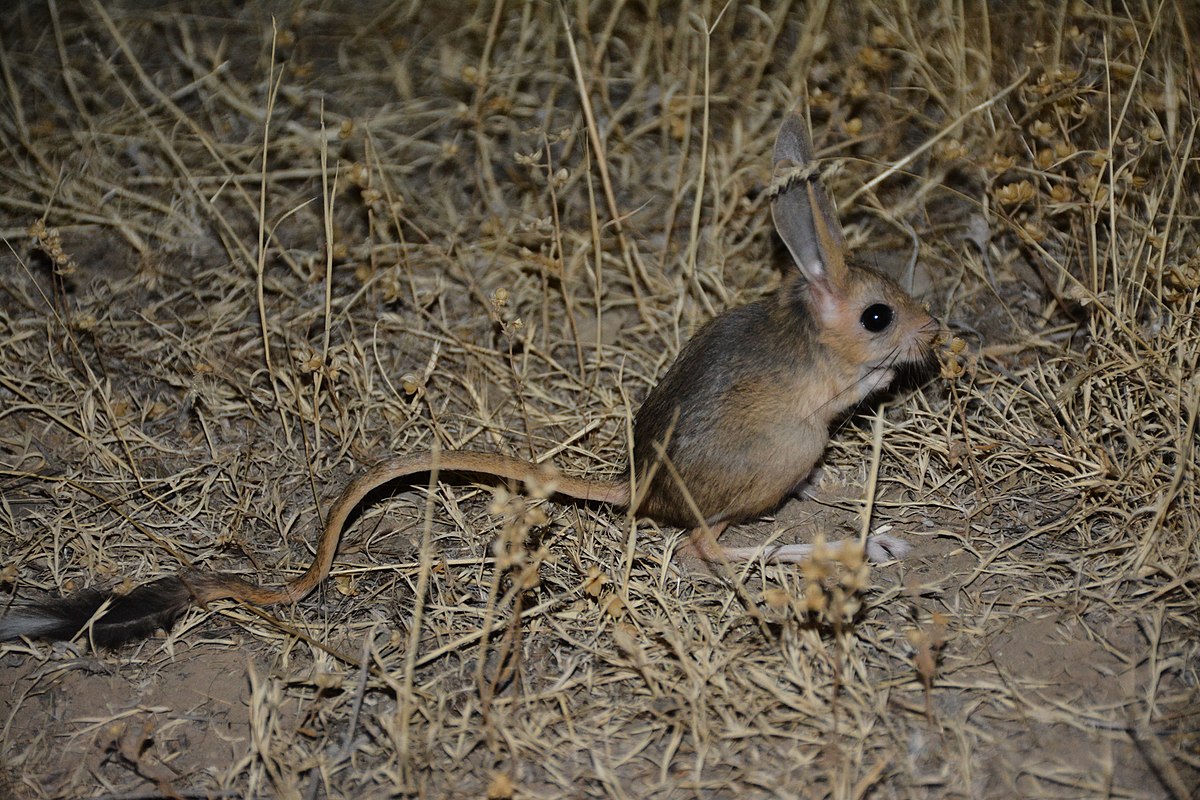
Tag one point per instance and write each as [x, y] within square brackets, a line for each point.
[804, 217]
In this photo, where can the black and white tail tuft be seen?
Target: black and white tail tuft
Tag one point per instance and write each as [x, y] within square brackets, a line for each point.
[127, 617]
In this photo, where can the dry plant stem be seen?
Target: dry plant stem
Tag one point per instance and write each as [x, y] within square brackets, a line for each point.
[566, 278]
[260, 261]
[481, 140]
[328, 195]
[632, 262]
[698, 201]
[489, 615]
[67, 74]
[1185, 461]
[365, 665]
[407, 699]
[965, 432]
[1148, 742]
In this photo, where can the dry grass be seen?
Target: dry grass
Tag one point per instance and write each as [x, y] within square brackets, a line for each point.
[239, 265]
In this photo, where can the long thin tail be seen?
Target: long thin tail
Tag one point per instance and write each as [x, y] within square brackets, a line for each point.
[113, 619]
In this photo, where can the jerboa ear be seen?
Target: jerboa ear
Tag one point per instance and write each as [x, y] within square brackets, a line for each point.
[803, 215]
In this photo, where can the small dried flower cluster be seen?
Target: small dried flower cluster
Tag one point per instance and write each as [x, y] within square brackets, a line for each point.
[1056, 170]
[330, 364]
[927, 643]
[49, 241]
[510, 325]
[597, 585]
[953, 359]
[1182, 281]
[509, 549]
[835, 581]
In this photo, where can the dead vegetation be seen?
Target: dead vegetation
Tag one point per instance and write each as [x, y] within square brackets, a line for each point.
[247, 254]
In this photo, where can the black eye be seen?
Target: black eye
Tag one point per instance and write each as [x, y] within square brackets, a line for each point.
[877, 317]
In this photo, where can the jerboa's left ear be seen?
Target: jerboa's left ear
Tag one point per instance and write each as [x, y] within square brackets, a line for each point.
[805, 218]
